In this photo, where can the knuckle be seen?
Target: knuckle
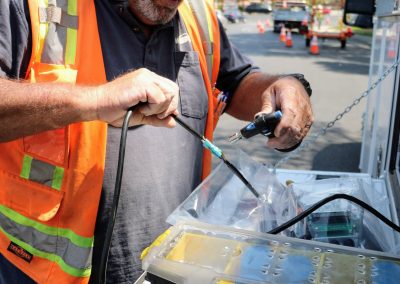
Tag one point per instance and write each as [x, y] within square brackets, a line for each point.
[143, 70]
[168, 96]
[163, 100]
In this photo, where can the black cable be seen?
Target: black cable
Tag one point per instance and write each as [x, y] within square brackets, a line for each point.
[222, 157]
[240, 176]
[114, 207]
[326, 200]
[187, 127]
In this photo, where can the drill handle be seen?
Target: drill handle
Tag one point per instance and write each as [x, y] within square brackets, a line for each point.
[264, 124]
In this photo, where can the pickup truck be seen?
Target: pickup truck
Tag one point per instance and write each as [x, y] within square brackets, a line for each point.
[295, 17]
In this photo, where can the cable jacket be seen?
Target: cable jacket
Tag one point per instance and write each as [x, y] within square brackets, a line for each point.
[324, 201]
[114, 208]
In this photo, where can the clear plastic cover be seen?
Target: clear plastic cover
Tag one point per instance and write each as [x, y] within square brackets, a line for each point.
[199, 253]
[223, 199]
[341, 221]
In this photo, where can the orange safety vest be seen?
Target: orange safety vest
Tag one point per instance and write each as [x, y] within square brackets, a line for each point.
[51, 182]
[206, 41]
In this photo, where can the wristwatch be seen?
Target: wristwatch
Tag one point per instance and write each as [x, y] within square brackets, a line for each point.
[302, 80]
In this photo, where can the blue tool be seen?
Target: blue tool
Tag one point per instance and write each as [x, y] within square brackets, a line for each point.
[263, 124]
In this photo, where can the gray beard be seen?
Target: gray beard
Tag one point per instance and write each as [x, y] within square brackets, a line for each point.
[157, 15]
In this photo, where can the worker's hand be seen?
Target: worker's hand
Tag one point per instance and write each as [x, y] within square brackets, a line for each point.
[288, 95]
[159, 97]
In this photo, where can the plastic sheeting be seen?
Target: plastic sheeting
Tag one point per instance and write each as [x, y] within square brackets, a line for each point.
[341, 221]
[222, 199]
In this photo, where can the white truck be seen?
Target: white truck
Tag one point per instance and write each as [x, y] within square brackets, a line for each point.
[338, 246]
[291, 15]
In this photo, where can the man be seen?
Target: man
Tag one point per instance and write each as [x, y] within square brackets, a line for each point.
[162, 165]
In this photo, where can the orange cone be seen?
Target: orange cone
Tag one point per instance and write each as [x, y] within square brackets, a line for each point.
[267, 23]
[261, 29]
[289, 42]
[391, 51]
[314, 49]
[349, 32]
[259, 24]
[282, 36]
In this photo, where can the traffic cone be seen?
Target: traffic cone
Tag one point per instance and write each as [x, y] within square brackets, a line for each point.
[391, 51]
[282, 36]
[259, 24]
[267, 23]
[261, 29]
[314, 49]
[289, 42]
[349, 32]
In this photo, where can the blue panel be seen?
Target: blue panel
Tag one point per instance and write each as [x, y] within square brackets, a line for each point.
[255, 262]
[387, 272]
[297, 269]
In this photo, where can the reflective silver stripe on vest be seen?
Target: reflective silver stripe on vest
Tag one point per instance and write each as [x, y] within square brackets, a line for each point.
[58, 22]
[42, 172]
[55, 15]
[73, 255]
[199, 11]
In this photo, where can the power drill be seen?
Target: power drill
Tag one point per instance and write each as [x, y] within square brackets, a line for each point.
[264, 124]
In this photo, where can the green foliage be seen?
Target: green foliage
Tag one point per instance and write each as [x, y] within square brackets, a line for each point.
[361, 31]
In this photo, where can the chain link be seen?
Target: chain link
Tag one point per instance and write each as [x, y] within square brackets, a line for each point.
[313, 137]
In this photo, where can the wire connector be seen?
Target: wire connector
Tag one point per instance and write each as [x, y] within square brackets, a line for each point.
[214, 149]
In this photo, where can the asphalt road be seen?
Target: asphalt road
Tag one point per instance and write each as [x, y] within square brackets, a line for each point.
[337, 77]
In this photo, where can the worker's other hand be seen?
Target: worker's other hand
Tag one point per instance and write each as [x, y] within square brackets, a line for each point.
[158, 97]
[288, 95]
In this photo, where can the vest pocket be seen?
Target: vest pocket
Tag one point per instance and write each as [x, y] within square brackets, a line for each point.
[51, 146]
[193, 93]
[29, 198]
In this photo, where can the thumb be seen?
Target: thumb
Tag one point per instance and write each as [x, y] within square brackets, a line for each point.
[268, 102]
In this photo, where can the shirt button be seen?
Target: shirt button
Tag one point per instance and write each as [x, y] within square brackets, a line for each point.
[135, 29]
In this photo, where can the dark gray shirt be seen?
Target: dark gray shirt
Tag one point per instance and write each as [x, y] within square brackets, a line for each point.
[14, 38]
[162, 166]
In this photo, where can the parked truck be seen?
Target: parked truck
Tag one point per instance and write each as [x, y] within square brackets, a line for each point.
[291, 15]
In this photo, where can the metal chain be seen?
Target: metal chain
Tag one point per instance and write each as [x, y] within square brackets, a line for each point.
[306, 144]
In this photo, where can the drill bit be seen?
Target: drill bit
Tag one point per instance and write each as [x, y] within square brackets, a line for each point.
[235, 137]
